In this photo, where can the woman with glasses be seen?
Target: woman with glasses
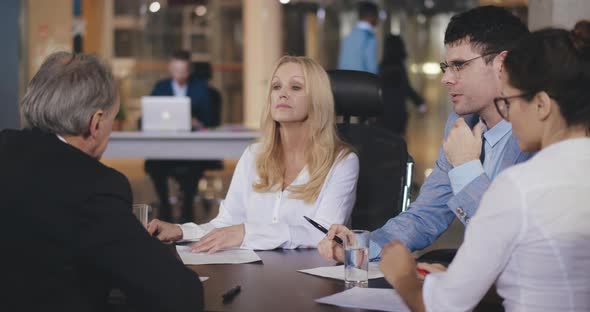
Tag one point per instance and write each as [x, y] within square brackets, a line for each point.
[530, 235]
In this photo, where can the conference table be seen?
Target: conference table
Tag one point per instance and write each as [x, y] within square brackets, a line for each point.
[200, 145]
[275, 285]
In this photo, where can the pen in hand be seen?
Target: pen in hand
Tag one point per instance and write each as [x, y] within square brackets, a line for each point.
[323, 229]
[230, 294]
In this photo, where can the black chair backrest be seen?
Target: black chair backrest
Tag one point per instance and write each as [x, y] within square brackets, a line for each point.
[356, 94]
[382, 154]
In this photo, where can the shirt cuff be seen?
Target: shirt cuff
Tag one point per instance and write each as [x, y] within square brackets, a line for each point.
[374, 251]
[462, 175]
[194, 232]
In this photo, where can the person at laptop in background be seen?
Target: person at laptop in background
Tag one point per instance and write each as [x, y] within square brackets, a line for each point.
[80, 237]
[530, 235]
[186, 172]
[478, 144]
[299, 168]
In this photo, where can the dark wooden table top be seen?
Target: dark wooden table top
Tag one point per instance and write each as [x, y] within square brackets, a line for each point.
[274, 284]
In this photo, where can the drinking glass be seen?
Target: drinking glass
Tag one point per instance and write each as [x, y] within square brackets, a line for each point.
[356, 259]
[141, 211]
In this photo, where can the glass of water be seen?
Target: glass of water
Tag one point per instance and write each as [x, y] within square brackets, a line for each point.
[142, 211]
[356, 259]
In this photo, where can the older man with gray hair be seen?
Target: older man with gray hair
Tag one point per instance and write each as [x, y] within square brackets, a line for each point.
[70, 235]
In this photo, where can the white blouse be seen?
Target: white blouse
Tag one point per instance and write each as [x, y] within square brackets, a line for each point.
[530, 235]
[274, 219]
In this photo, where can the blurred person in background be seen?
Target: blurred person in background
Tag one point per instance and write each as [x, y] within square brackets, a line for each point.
[358, 50]
[186, 172]
[396, 87]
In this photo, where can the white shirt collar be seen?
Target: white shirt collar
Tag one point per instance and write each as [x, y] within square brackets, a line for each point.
[61, 138]
[179, 90]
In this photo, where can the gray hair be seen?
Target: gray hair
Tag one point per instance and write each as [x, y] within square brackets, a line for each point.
[66, 91]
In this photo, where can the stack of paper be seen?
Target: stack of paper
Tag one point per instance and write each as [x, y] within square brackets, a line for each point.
[230, 256]
[367, 298]
[337, 271]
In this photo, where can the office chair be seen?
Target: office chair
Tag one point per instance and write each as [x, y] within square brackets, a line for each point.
[385, 173]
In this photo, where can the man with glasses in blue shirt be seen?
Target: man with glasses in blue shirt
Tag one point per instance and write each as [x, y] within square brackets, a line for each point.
[478, 143]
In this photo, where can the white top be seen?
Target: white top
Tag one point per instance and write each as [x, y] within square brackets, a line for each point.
[273, 219]
[530, 235]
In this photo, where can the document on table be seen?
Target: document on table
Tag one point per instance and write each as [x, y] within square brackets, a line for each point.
[367, 298]
[337, 271]
[230, 256]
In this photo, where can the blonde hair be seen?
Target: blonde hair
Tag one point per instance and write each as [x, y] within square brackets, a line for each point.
[323, 146]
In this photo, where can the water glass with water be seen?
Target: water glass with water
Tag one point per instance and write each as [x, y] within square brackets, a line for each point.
[356, 259]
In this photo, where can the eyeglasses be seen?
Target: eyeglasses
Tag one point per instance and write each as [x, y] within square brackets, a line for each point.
[503, 105]
[457, 66]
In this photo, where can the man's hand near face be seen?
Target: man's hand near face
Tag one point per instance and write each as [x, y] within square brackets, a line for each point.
[463, 144]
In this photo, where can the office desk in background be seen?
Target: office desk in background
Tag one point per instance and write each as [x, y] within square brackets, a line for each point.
[200, 145]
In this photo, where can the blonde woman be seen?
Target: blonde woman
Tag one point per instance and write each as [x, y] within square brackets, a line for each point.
[299, 168]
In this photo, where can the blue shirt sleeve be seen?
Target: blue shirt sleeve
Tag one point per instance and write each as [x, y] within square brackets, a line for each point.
[464, 174]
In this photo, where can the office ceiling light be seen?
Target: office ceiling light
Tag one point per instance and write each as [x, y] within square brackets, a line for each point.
[154, 7]
[201, 10]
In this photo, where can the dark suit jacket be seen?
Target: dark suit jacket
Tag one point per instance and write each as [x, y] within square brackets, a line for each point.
[198, 93]
[69, 235]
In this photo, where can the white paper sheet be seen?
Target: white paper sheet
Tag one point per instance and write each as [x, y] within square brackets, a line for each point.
[367, 298]
[337, 271]
[230, 256]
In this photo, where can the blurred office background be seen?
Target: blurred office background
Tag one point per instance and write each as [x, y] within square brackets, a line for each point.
[241, 39]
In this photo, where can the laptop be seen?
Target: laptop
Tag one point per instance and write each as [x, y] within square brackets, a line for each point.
[166, 113]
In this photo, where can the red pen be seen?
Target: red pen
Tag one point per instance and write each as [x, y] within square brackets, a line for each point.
[422, 271]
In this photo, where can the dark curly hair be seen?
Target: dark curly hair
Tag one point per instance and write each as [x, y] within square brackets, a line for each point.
[488, 28]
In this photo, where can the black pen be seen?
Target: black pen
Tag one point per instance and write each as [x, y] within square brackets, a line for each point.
[323, 229]
[230, 294]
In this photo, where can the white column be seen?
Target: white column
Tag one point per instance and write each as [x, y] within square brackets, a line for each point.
[263, 27]
[557, 13]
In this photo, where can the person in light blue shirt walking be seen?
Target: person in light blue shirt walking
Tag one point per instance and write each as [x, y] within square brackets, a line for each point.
[478, 144]
[358, 50]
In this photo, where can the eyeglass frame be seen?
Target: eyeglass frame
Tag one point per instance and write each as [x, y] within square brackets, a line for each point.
[458, 66]
[506, 103]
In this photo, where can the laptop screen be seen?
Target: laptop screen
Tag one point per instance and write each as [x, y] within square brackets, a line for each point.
[166, 113]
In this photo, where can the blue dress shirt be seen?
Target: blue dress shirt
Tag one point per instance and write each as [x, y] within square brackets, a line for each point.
[442, 197]
[358, 50]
